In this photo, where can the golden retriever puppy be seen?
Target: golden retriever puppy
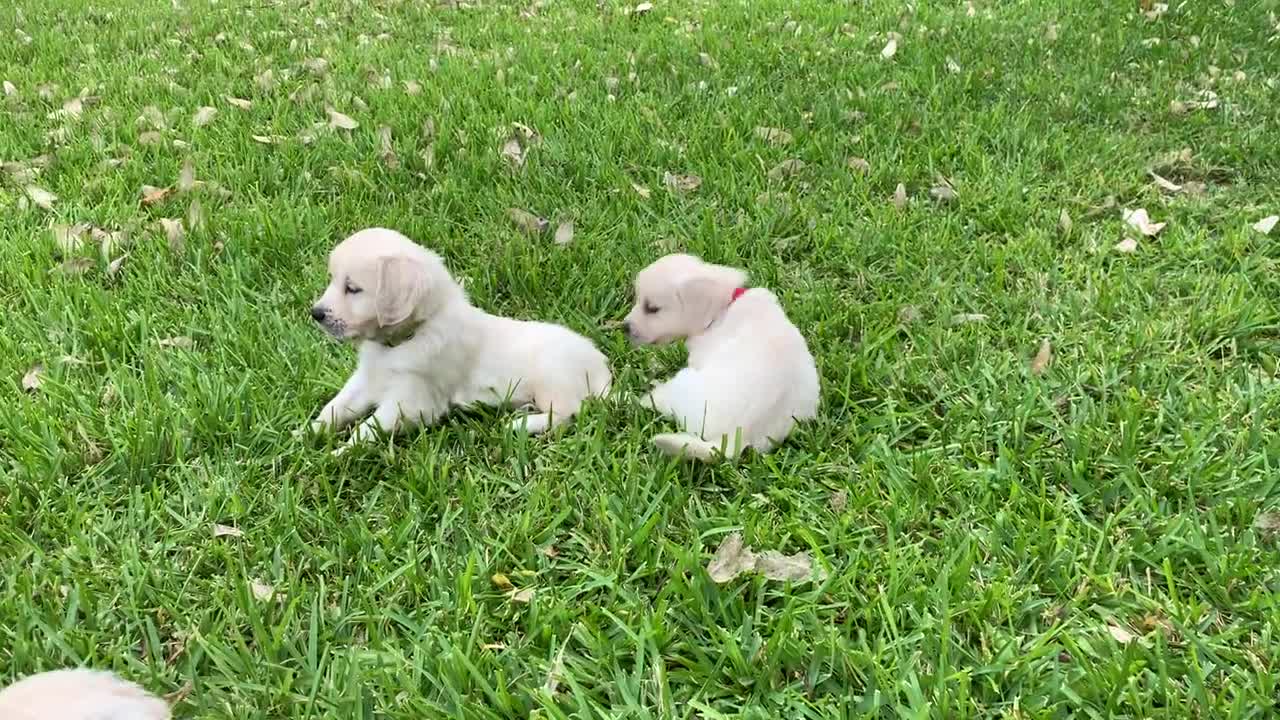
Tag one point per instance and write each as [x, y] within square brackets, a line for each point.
[423, 347]
[79, 694]
[750, 375]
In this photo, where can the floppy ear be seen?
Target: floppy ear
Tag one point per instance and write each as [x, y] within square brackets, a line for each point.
[706, 295]
[402, 286]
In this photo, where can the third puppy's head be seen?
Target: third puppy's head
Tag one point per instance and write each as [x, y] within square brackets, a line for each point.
[679, 296]
[380, 283]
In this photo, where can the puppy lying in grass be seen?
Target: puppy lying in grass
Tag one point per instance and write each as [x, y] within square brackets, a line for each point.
[750, 375]
[79, 694]
[424, 348]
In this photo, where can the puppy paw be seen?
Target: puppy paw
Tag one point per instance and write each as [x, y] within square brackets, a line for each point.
[686, 446]
[532, 424]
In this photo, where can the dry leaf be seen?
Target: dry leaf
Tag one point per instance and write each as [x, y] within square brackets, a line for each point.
[181, 694]
[641, 190]
[774, 136]
[859, 165]
[908, 314]
[41, 197]
[732, 559]
[943, 193]
[1127, 246]
[1051, 33]
[152, 195]
[187, 176]
[33, 379]
[1122, 636]
[952, 66]
[195, 215]
[150, 137]
[786, 168]
[965, 318]
[204, 116]
[1064, 221]
[71, 110]
[175, 233]
[114, 267]
[1205, 100]
[523, 595]
[239, 102]
[513, 152]
[900, 197]
[839, 501]
[1266, 224]
[564, 233]
[681, 183]
[338, 121]
[76, 266]
[412, 87]
[387, 150]
[890, 49]
[261, 590]
[1268, 522]
[1164, 183]
[641, 9]
[502, 582]
[553, 675]
[181, 342]
[266, 80]
[69, 238]
[1140, 221]
[10, 89]
[154, 117]
[316, 66]
[1042, 359]
[226, 531]
[788, 568]
[527, 222]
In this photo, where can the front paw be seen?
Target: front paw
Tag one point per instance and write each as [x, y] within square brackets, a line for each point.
[310, 430]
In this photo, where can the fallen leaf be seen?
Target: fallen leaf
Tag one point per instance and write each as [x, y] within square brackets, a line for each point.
[564, 233]
[69, 238]
[965, 318]
[1051, 33]
[943, 193]
[187, 176]
[181, 694]
[1064, 221]
[1155, 11]
[1268, 522]
[261, 590]
[70, 110]
[338, 121]
[502, 581]
[115, 266]
[10, 89]
[204, 116]
[523, 595]
[41, 197]
[859, 165]
[33, 379]
[513, 152]
[387, 150]
[774, 136]
[553, 675]
[1127, 246]
[890, 49]
[195, 215]
[900, 197]
[642, 9]
[732, 559]
[969, 9]
[154, 117]
[786, 168]
[239, 102]
[265, 80]
[1140, 221]
[1205, 100]
[681, 183]
[788, 568]
[527, 222]
[150, 137]
[1122, 636]
[316, 66]
[1266, 224]
[152, 195]
[707, 60]
[953, 67]
[226, 531]
[76, 266]
[1042, 359]
[412, 87]
[839, 501]
[908, 314]
[175, 233]
[1164, 183]
[181, 342]
[641, 190]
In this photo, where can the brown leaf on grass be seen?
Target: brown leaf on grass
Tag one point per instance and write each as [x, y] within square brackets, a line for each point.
[10, 89]
[34, 378]
[786, 168]
[788, 568]
[76, 266]
[1164, 183]
[774, 136]
[386, 149]
[641, 190]
[187, 177]
[316, 66]
[733, 558]
[153, 116]
[180, 694]
[114, 267]
[1205, 100]
[70, 110]
[1064, 221]
[564, 233]
[966, 318]
[890, 49]
[1140, 221]
[226, 531]
[261, 590]
[859, 165]
[180, 342]
[502, 582]
[1266, 224]
[195, 215]
[681, 183]
[839, 501]
[152, 195]
[40, 197]
[69, 238]
[900, 197]
[239, 102]
[175, 233]
[1127, 246]
[204, 116]
[1268, 522]
[527, 222]
[1043, 357]
[643, 8]
[513, 152]
[150, 137]
[522, 595]
[1121, 635]
[943, 192]
[412, 87]
[339, 121]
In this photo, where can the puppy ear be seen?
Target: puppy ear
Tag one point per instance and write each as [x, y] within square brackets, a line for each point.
[402, 286]
[704, 296]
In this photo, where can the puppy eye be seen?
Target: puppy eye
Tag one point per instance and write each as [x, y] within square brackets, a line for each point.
[352, 289]
[650, 309]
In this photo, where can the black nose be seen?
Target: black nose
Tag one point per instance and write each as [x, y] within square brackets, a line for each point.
[318, 313]
[626, 327]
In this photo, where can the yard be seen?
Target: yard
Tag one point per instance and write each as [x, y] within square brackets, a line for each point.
[1028, 244]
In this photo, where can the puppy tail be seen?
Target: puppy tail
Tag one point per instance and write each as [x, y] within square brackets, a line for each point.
[690, 446]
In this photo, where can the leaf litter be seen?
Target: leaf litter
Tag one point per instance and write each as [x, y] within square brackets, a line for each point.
[733, 558]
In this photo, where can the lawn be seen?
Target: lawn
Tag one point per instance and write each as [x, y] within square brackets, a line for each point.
[1045, 478]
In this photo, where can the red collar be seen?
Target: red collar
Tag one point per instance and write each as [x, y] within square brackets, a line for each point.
[737, 293]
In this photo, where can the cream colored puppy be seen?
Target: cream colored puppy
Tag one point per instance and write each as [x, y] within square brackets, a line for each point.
[424, 348]
[79, 694]
[750, 375]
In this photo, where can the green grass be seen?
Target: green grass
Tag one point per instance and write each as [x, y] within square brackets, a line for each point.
[997, 521]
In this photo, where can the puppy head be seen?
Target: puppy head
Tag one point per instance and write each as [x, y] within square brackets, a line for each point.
[380, 281]
[679, 296]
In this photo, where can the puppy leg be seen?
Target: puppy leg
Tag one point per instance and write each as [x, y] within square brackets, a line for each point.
[392, 417]
[682, 398]
[351, 402]
[556, 411]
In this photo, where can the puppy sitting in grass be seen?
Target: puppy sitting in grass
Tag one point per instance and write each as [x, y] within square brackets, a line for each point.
[424, 348]
[79, 694]
[750, 375]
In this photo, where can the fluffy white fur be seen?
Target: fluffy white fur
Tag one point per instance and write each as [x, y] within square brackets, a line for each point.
[424, 348]
[750, 375]
[79, 695]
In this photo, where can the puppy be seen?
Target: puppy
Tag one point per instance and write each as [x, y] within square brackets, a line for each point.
[79, 694]
[750, 375]
[424, 348]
